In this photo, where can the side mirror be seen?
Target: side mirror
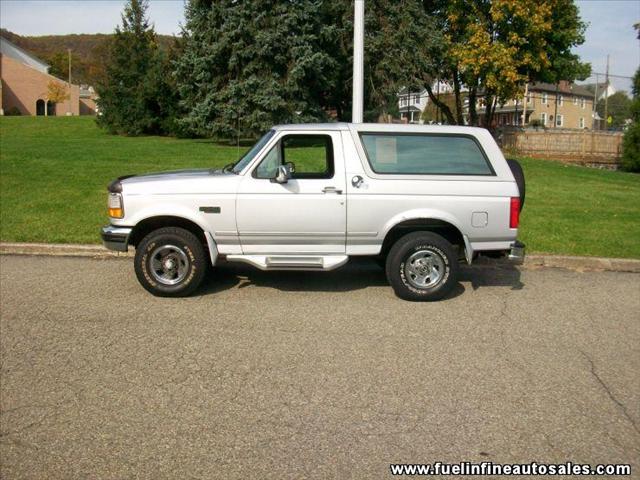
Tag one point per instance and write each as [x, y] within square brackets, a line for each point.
[283, 174]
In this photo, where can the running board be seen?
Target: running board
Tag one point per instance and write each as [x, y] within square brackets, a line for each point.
[291, 262]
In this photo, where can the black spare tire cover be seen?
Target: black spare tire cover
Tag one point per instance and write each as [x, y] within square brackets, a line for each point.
[518, 174]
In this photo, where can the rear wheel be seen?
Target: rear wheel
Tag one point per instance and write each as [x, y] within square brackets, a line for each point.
[422, 266]
[170, 262]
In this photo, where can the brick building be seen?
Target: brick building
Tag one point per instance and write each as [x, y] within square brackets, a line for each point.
[24, 85]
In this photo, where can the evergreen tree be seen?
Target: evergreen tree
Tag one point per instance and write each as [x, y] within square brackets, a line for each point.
[135, 96]
[248, 65]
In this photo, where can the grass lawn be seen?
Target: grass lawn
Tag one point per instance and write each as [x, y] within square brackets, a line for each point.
[54, 172]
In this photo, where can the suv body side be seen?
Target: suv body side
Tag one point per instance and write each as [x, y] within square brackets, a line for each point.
[477, 206]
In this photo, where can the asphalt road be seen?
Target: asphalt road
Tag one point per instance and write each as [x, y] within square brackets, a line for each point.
[311, 375]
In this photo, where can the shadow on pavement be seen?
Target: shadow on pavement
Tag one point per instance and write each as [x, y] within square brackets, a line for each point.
[358, 273]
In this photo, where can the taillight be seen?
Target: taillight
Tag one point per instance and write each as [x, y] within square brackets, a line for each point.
[514, 213]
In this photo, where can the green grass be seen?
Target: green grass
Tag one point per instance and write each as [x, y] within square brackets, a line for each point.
[577, 210]
[54, 172]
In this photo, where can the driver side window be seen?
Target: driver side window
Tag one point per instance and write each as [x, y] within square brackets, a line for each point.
[311, 157]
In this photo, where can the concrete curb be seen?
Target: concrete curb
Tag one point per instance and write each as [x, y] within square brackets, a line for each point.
[583, 263]
[531, 261]
[61, 250]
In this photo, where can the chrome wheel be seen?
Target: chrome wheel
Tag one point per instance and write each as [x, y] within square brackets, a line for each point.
[168, 264]
[424, 269]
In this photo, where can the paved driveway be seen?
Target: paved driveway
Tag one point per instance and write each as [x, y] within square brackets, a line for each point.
[316, 375]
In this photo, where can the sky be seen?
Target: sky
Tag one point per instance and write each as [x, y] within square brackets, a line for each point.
[610, 27]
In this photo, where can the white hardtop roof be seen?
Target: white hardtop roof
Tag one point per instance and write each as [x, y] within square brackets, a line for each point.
[380, 127]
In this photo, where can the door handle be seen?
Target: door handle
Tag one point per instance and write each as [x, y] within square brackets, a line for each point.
[331, 190]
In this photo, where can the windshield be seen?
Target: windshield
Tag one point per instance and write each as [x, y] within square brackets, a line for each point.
[250, 155]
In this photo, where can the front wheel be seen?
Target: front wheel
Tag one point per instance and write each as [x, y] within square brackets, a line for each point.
[422, 266]
[170, 262]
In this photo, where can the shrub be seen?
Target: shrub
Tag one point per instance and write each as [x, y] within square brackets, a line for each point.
[13, 112]
[631, 149]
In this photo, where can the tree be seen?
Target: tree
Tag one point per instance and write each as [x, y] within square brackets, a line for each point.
[247, 65]
[631, 143]
[619, 109]
[57, 92]
[494, 47]
[433, 114]
[135, 95]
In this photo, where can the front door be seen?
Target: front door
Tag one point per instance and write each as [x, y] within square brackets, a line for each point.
[305, 215]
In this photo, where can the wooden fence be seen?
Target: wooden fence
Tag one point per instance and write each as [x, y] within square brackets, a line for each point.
[576, 146]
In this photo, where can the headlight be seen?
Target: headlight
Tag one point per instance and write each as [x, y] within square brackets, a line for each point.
[116, 208]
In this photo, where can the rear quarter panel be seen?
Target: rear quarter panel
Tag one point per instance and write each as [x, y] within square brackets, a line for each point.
[383, 201]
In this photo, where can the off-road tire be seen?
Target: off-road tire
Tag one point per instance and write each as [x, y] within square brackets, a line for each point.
[438, 251]
[182, 246]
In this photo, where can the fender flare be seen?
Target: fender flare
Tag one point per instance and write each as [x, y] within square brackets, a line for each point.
[182, 213]
[430, 214]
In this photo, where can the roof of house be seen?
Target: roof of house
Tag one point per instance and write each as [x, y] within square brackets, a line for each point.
[11, 50]
[404, 91]
[564, 88]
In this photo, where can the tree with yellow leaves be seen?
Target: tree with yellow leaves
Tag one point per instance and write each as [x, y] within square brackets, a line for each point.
[494, 47]
[57, 92]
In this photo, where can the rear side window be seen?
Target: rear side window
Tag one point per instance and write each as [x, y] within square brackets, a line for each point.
[425, 154]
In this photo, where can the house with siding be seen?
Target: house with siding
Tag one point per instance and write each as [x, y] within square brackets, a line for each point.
[562, 105]
[412, 103]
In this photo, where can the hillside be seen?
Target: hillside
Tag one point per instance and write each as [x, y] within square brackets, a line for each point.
[87, 51]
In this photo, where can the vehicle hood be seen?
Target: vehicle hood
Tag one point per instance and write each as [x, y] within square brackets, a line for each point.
[194, 181]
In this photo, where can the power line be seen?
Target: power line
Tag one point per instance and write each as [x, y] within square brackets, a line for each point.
[610, 74]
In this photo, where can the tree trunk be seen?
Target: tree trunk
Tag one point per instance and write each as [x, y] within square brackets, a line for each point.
[473, 112]
[488, 98]
[444, 108]
[489, 111]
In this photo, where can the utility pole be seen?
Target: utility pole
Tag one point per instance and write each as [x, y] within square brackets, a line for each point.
[357, 104]
[555, 113]
[606, 95]
[594, 109]
[524, 103]
[69, 92]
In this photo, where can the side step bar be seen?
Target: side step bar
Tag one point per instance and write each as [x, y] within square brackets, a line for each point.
[291, 262]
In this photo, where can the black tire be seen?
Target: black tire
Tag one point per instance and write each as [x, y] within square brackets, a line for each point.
[436, 252]
[180, 249]
[518, 174]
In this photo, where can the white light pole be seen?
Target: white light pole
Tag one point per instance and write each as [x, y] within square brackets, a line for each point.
[358, 62]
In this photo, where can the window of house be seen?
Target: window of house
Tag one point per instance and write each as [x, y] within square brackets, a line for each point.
[581, 122]
[528, 98]
[417, 99]
[582, 103]
[575, 100]
[559, 120]
[545, 99]
[424, 154]
[560, 100]
[543, 118]
[311, 155]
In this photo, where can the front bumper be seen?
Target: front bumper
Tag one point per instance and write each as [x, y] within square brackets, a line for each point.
[516, 253]
[116, 238]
